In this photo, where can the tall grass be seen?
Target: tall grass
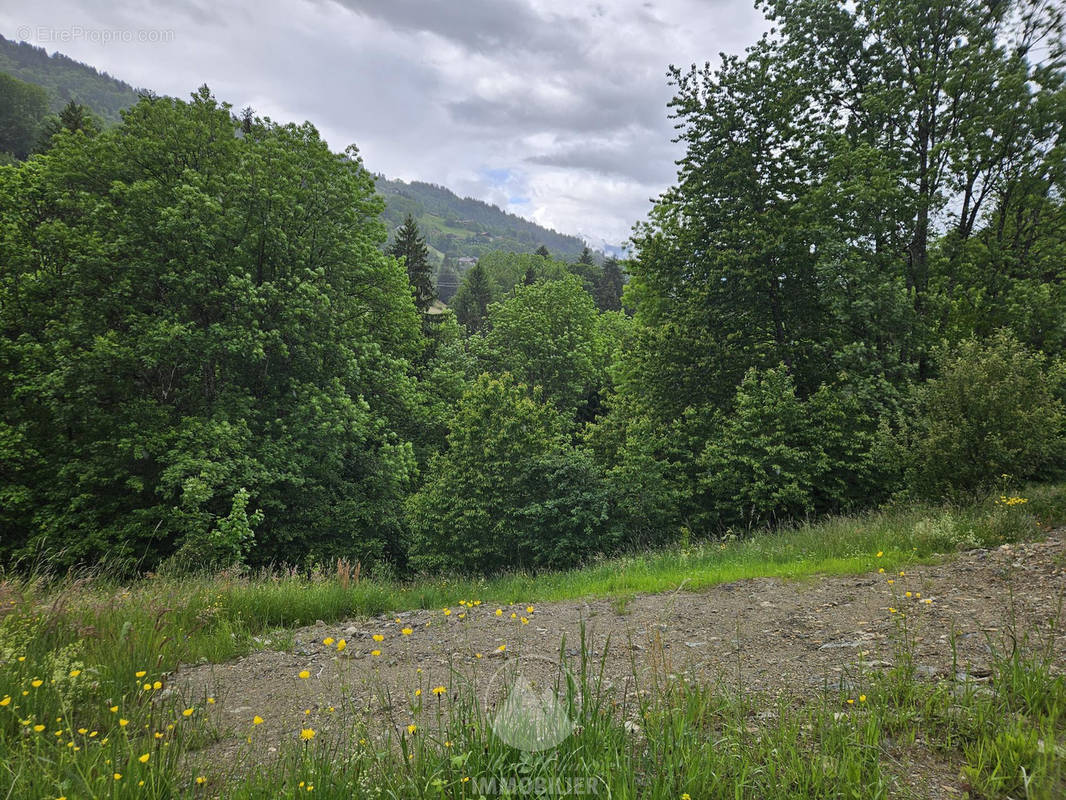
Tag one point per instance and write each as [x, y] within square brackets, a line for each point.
[84, 666]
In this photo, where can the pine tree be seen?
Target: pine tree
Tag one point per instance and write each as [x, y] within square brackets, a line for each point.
[586, 256]
[542, 251]
[472, 301]
[410, 245]
[609, 287]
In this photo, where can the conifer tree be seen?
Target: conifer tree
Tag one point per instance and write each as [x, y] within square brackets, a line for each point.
[410, 245]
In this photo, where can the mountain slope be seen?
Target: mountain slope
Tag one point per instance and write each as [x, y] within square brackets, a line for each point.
[453, 226]
[462, 226]
[66, 79]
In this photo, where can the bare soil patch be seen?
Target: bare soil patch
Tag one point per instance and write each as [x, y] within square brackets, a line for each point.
[768, 635]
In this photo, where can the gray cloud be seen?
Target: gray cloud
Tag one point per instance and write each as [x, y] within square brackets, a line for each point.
[555, 109]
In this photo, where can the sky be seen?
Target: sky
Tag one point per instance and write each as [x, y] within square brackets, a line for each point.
[552, 109]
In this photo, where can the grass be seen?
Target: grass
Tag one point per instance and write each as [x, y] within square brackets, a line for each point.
[72, 650]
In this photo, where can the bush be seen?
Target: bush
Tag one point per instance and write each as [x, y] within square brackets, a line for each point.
[991, 412]
[510, 492]
[780, 457]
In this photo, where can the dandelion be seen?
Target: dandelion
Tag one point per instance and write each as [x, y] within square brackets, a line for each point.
[477, 655]
[257, 720]
[341, 645]
[447, 612]
[880, 553]
[201, 780]
[304, 674]
[862, 698]
[909, 594]
[147, 687]
[514, 615]
[851, 701]
[881, 571]
[411, 729]
[499, 612]
[378, 637]
[210, 701]
[439, 691]
[375, 652]
[83, 731]
[75, 673]
[36, 684]
[686, 796]
[122, 723]
[328, 641]
[501, 648]
[140, 673]
[6, 701]
[307, 734]
[157, 685]
[903, 574]
[525, 621]
[118, 776]
[418, 692]
[891, 610]
[144, 759]
[928, 601]
[38, 728]
[407, 631]
[890, 581]
[187, 712]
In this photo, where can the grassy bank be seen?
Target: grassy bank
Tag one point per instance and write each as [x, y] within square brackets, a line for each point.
[83, 662]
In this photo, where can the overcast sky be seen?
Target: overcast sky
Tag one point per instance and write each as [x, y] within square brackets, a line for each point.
[552, 109]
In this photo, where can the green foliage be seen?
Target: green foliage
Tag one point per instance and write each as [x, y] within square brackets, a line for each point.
[456, 226]
[775, 456]
[992, 411]
[66, 80]
[188, 313]
[410, 246]
[509, 491]
[23, 107]
[547, 336]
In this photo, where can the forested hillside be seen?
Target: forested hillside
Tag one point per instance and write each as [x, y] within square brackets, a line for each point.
[462, 226]
[855, 291]
[66, 79]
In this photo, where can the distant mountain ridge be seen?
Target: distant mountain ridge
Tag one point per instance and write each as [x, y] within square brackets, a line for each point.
[66, 79]
[459, 227]
[455, 227]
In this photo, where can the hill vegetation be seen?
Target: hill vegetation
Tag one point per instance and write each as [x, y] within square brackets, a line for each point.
[66, 79]
[455, 226]
[210, 353]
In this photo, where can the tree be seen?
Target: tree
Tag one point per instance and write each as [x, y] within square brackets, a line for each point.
[510, 491]
[546, 335]
[73, 118]
[542, 251]
[609, 286]
[410, 246]
[473, 298]
[188, 315]
[23, 107]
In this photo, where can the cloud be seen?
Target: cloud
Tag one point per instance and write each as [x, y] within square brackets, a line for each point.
[564, 98]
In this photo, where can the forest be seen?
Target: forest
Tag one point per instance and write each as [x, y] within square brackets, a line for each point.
[211, 353]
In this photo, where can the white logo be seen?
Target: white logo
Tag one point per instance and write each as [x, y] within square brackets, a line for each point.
[529, 702]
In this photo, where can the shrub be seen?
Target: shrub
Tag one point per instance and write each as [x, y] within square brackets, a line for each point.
[510, 491]
[991, 412]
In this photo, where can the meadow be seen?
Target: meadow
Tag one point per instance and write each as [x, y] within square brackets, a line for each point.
[85, 664]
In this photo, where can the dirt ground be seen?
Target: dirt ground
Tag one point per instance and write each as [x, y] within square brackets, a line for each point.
[773, 636]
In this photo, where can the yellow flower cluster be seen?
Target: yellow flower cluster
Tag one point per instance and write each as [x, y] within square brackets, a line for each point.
[1011, 501]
